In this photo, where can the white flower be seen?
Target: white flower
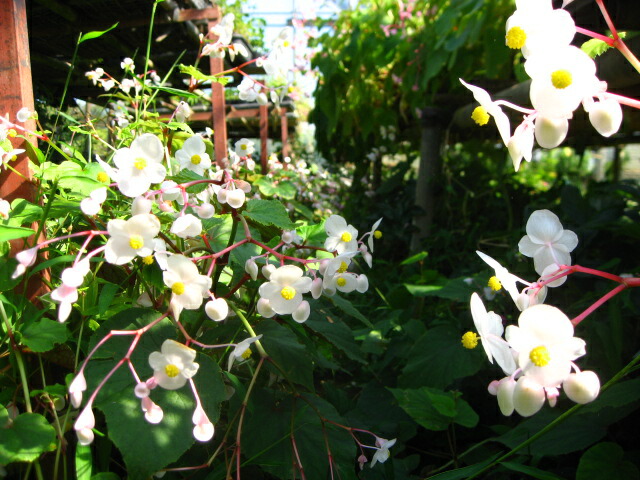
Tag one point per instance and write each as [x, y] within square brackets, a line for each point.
[240, 349]
[605, 116]
[374, 233]
[127, 64]
[301, 313]
[189, 288]
[84, 425]
[285, 288]
[382, 454]
[236, 198]
[193, 155]
[140, 165]
[173, 365]
[546, 241]
[77, 386]
[545, 344]
[340, 236]
[217, 310]
[536, 27]
[508, 280]
[264, 308]
[582, 387]
[187, 226]
[130, 238]
[244, 147]
[490, 329]
[520, 145]
[141, 205]
[251, 267]
[248, 90]
[561, 79]
[152, 413]
[204, 429]
[489, 108]
[183, 112]
[550, 132]
[204, 211]
[93, 203]
[5, 208]
[23, 114]
[528, 396]
[25, 258]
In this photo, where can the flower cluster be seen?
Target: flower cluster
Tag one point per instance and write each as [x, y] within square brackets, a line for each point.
[538, 354]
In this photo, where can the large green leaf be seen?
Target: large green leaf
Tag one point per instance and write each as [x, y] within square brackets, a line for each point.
[11, 233]
[268, 212]
[127, 428]
[457, 290]
[26, 438]
[602, 460]
[435, 409]
[283, 189]
[43, 335]
[336, 332]
[437, 359]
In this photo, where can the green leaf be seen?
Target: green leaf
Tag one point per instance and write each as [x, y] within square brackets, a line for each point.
[28, 436]
[198, 75]
[186, 176]
[84, 463]
[437, 359]
[175, 91]
[105, 476]
[43, 335]
[80, 184]
[530, 472]
[347, 307]
[268, 212]
[456, 289]
[594, 47]
[11, 233]
[601, 460]
[283, 189]
[435, 409]
[337, 333]
[464, 472]
[96, 34]
[127, 428]
[23, 212]
[418, 257]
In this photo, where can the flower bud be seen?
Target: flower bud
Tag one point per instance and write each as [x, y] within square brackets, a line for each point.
[152, 413]
[267, 270]
[301, 313]
[264, 308]
[85, 436]
[606, 117]
[528, 397]
[187, 226]
[582, 387]
[77, 386]
[287, 236]
[204, 211]
[251, 268]
[504, 392]
[85, 420]
[236, 198]
[550, 132]
[362, 283]
[217, 310]
[221, 195]
[316, 288]
[141, 390]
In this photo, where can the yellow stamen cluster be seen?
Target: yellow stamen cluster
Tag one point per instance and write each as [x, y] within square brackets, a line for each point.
[540, 356]
[178, 288]
[246, 354]
[102, 177]
[243, 146]
[345, 237]
[470, 340]
[148, 260]
[343, 267]
[561, 79]
[195, 159]
[480, 116]
[288, 293]
[377, 234]
[341, 282]
[140, 163]
[11, 133]
[494, 284]
[171, 370]
[516, 38]
[136, 241]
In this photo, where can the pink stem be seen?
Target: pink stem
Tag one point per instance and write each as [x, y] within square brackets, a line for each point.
[597, 304]
[609, 41]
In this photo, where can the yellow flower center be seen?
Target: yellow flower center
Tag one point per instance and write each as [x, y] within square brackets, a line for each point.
[343, 267]
[178, 288]
[290, 89]
[246, 354]
[516, 37]
[561, 79]
[341, 282]
[540, 356]
[140, 163]
[286, 43]
[171, 370]
[377, 234]
[480, 116]
[136, 241]
[102, 177]
[494, 284]
[470, 340]
[243, 146]
[148, 260]
[11, 133]
[288, 293]
[195, 159]
[345, 237]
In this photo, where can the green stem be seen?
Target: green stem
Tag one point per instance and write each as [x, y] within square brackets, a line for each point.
[557, 421]
[247, 325]
[148, 53]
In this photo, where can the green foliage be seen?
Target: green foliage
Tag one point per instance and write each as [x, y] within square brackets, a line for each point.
[268, 212]
[25, 438]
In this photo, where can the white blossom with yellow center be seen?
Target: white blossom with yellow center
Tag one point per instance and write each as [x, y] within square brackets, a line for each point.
[131, 238]
[490, 329]
[340, 236]
[244, 147]
[173, 365]
[545, 344]
[489, 108]
[140, 165]
[285, 288]
[188, 287]
[193, 155]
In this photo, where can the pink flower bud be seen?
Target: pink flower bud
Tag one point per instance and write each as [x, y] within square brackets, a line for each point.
[302, 311]
[528, 397]
[77, 386]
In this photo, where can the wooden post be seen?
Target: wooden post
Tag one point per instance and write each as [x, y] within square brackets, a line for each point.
[264, 136]
[284, 132]
[218, 105]
[16, 91]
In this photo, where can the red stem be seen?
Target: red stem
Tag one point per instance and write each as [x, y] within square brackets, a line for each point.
[597, 304]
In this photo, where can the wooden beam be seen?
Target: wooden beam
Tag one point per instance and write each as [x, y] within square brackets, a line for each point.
[212, 14]
[264, 136]
[218, 108]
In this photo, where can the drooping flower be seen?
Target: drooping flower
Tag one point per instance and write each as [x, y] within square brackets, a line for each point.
[340, 236]
[193, 155]
[203, 430]
[217, 309]
[605, 116]
[187, 226]
[489, 108]
[173, 365]
[545, 344]
[582, 387]
[140, 165]
[489, 326]
[382, 454]
[546, 241]
[520, 145]
[131, 238]
[77, 386]
[285, 288]
[93, 203]
[240, 350]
